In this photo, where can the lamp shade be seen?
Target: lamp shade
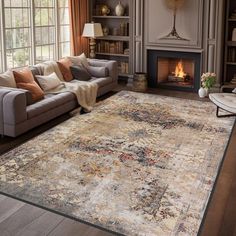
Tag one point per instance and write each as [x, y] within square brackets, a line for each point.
[92, 30]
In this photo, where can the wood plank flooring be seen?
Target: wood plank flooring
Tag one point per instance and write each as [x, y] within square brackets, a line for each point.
[21, 219]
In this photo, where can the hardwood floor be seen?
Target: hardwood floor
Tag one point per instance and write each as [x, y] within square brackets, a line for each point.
[21, 219]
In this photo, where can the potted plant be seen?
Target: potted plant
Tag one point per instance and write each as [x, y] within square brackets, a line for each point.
[207, 81]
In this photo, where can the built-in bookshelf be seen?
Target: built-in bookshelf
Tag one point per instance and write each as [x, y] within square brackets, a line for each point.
[230, 43]
[117, 42]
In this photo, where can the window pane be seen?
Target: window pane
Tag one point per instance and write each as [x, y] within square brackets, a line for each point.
[45, 30]
[1, 66]
[8, 18]
[65, 49]
[64, 36]
[64, 16]
[44, 3]
[17, 32]
[63, 3]
[65, 33]
[16, 38]
[21, 57]
[7, 3]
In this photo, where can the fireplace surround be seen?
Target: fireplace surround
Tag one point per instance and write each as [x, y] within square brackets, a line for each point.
[174, 70]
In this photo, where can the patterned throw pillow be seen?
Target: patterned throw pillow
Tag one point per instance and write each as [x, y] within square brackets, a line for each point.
[25, 80]
[48, 82]
[64, 66]
[7, 79]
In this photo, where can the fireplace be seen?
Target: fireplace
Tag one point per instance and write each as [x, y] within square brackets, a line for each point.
[174, 70]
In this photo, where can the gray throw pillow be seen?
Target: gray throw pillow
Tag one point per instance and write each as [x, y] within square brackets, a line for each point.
[80, 73]
[98, 71]
[234, 91]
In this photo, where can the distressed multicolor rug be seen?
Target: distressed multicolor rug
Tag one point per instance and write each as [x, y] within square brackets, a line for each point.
[139, 164]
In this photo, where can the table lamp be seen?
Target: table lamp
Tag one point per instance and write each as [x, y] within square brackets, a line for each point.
[92, 31]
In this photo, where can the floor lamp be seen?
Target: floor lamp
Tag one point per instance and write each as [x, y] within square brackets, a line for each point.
[92, 31]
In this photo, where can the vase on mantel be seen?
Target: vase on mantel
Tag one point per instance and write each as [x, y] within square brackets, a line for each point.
[120, 10]
[202, 92]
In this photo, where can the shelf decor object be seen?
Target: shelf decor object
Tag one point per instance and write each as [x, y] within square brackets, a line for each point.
[92, 31]
[120, 10]
[174, 5]
[105, 10]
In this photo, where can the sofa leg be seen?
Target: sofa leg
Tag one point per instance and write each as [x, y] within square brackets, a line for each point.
[220, 116]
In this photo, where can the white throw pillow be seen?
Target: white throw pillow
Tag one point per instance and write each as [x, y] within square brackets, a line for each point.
[48, 82]
[7, 79]
[234, 91]
[78, 60]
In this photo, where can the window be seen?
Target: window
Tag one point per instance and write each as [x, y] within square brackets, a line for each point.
[1, 66]
[33, 31]
[44, 30]
[17, 32]
[64, 24]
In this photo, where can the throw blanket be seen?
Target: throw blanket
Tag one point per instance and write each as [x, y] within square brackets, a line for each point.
[48, 67]
[86, 92]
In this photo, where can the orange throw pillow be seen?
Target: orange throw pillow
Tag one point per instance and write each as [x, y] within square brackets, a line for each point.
[64, 66]
[25, 80]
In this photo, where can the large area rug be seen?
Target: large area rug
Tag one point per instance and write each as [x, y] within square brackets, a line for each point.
[138, 164]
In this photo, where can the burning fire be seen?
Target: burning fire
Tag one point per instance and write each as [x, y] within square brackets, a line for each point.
[179, 70]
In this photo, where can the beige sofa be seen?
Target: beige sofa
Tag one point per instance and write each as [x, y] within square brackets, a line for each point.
[18, 115]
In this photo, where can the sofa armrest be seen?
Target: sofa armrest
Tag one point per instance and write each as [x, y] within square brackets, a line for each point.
[13, 106]
[111, 65]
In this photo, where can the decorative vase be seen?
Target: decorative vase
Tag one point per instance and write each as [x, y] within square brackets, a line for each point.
[207, 92]
[120, 10]
[202, 92]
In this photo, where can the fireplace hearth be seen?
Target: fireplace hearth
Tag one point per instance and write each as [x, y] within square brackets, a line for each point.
[174, 70]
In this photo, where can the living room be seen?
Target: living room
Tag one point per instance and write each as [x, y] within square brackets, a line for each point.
[117, 117]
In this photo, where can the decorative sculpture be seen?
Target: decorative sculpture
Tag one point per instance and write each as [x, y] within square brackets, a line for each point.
[174, 5]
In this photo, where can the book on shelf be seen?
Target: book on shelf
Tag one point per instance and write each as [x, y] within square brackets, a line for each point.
[232, 54]
[123, 67]
[123, 30]
[110, 47]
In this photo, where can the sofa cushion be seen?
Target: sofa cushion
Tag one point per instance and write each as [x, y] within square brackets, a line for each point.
[98, 71]
[48, 82]
[101, 81]
[79, 60]
[64, 66]
[25, 80]
[7, 79]
[80, 73]
[48, 103]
